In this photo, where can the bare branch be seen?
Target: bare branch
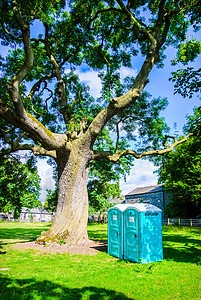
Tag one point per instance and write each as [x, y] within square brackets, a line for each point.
[116, 156]
[8, 33]
[163, 18]
[19, 139]
[16, 146]
[117, 141]
[169, 137]
[119, 103]
[36, 86]
[36, 150]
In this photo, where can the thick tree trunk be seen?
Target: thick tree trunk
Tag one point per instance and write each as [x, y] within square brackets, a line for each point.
[70, 222]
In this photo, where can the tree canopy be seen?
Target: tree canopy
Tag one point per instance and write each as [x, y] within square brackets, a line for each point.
[101, 35]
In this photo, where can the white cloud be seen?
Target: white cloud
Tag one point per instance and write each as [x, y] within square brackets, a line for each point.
[46, 175]
[141, 175]
[125, 71]
[91, 79]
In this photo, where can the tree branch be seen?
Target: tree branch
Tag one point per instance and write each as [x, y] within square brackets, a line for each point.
[117, 141]
[5, 137]
[37, 150]
[8, 33]
[29, 124]
[16, 146]
[103, 11]
[141, 29]
[36, 87]
[13, 87]
[119, 103]
[116, 156]
[169, 137]
[60, 82]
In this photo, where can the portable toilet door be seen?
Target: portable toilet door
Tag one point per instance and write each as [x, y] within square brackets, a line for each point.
[131, 234]
[151, 232]
[116, 230]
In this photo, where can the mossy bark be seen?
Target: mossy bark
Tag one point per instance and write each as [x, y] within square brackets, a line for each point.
[70, 222]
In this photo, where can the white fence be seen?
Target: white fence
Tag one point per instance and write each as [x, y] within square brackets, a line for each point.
[182, 222]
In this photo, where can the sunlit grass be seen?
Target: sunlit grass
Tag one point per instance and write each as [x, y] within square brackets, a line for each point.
[30, 275]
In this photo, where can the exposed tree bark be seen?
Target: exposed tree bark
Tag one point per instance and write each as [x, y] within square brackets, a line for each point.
[70, 222]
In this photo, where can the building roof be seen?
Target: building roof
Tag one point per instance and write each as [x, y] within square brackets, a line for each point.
[146, 190]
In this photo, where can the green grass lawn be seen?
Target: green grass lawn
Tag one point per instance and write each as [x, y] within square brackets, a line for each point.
[30, 275]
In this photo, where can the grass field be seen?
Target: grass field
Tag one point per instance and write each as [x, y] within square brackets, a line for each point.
[30, 275]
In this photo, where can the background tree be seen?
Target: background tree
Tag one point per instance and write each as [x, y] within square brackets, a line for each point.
[181, 174]
[45, 109]
[51, 199]
[19, 184]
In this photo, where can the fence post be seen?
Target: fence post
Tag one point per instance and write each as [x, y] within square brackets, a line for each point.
[191, 222]
[168, 221]
[179, 221]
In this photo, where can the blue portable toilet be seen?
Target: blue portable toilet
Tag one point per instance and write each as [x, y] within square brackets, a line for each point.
[116, 230]
[143, 233]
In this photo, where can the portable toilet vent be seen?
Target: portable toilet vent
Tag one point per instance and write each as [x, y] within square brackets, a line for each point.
[137, 233]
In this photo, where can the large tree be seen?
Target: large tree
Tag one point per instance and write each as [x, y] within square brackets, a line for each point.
[45, 109]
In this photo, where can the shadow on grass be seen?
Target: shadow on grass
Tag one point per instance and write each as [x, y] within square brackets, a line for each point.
[34, 289]
[181, 248]
[21, 234]
[97, 232]
[2, 251]
[180, 245]
[102, 247]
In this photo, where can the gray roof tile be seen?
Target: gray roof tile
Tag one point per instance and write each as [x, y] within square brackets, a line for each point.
[146, 190]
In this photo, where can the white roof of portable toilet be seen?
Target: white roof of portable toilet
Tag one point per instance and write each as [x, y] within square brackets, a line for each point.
[141, 207]
[144, 207]
[121, 207]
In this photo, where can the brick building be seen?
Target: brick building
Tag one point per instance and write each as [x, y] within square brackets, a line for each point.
[154, 194]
